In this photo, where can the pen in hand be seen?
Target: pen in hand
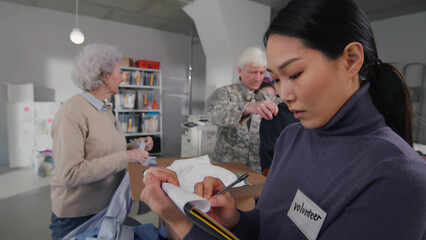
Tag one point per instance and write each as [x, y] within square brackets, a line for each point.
[239, 179]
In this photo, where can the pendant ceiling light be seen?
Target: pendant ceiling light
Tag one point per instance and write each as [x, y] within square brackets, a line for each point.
[76, 35]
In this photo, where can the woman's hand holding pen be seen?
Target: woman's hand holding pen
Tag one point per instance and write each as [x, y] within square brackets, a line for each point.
[224, 209]
[223, 205]
[154, 196]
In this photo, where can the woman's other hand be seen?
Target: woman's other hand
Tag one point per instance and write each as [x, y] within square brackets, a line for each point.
[154, 196]
[137, 155]
[224, 208]
[149, 143]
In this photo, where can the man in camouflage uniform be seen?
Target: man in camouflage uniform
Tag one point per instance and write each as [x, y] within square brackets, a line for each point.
[237, 110]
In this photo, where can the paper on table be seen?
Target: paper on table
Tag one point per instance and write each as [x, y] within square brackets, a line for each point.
[181, 196]
[193, 170]
[189, 172]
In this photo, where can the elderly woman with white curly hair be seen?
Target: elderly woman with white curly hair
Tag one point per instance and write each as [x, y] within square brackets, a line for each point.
[89, 151]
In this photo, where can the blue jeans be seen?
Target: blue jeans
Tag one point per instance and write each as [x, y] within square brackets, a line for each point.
[62, 226]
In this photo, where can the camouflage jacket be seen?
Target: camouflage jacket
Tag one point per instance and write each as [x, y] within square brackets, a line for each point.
[237, 136]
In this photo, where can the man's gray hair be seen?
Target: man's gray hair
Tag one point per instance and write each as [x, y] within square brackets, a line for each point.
[252, 56]
[92, 61]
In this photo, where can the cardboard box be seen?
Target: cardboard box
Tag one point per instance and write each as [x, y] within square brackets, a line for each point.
[245, 196]
[126, 62]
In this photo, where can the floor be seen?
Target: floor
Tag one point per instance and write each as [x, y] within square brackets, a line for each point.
[25, 205]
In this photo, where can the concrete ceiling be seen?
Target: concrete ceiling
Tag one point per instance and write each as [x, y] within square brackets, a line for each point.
[168, 15]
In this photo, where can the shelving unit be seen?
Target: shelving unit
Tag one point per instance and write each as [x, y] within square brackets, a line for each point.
[138, 105]
[415, 74]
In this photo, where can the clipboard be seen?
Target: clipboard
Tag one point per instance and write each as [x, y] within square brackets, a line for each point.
[194, 208]
[207, 223]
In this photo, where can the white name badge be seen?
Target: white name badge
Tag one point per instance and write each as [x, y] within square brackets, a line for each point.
[307, 216]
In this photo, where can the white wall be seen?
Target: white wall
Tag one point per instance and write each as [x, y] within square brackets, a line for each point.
[402, 40]
[198, 79]
[35, 47]
[226, 28]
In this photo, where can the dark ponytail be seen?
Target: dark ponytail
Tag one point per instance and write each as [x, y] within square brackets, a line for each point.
[391, 96]
[329, 26]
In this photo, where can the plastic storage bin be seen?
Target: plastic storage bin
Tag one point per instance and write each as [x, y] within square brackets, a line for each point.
[129, 123]
[146, 99]
[123, 118]
[42, 162]
[127, 76]
[136, 78]
[147, 64]
[133, 123]
[150, 79]
[150, 122]
[126, 99]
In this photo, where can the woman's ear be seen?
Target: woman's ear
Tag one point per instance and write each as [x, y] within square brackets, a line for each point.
[354, 57]
[105, 77]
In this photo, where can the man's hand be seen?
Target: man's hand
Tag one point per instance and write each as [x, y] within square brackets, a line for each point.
[266, 108]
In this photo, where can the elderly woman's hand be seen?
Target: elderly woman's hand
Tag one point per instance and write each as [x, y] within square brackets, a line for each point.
[154, 196]
[137, 155]
[148, 143]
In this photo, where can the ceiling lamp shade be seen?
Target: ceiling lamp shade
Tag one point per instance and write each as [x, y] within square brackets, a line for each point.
[76, 35]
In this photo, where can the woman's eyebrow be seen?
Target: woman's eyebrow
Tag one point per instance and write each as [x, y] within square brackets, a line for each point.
[286, 63]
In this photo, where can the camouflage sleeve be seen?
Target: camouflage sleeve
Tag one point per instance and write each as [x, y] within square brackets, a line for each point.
[277, 100]
[222, 111]
[273, 98]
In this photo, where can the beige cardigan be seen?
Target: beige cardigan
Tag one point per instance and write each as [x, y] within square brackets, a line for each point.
[89, 155]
